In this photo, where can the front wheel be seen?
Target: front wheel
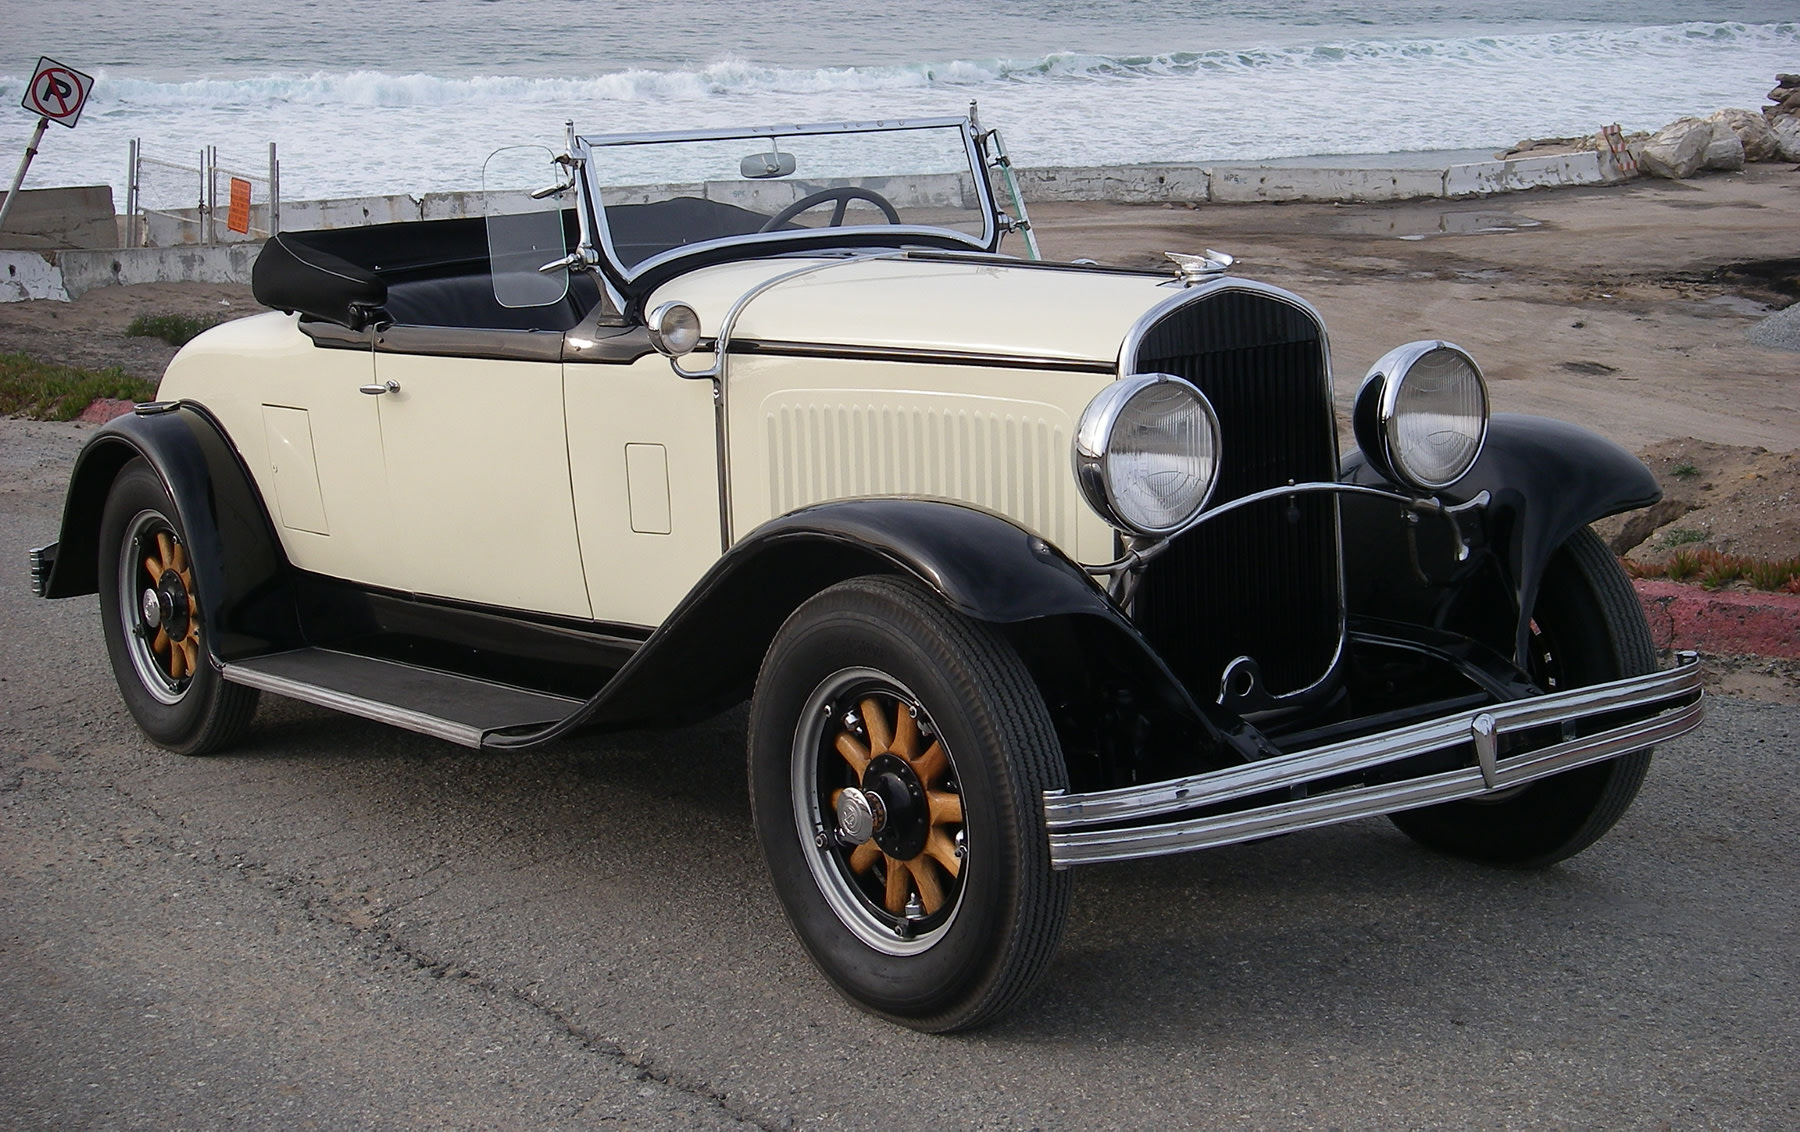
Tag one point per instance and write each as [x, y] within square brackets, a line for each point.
[155, 632]
[1587, 628]
[898, 757]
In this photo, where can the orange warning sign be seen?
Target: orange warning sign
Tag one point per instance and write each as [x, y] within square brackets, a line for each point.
[238, 219]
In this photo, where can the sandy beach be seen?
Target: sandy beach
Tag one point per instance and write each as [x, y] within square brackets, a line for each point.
[1624, 308]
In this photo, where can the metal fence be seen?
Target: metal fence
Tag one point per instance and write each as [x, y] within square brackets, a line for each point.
[168, 203]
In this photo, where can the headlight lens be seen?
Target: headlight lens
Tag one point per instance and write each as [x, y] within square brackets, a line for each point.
[674, 329]
[1421, 415]
[1147, 453]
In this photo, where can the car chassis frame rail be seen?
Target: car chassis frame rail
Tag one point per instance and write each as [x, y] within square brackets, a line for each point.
[1086, 828]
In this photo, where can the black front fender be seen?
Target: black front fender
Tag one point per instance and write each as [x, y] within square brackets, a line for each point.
[706, 655]
[1545, 479]
[243, 578]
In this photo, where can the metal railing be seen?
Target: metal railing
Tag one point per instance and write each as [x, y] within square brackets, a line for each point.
[229, 205]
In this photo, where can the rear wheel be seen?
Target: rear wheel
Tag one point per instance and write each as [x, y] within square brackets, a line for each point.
[155, 633]
[1587, 628]
[898, 757]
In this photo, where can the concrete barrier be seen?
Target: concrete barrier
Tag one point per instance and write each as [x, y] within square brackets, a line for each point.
[79, 216]
[1126, 184]
[1242, 185]
[1487, 177]
[28, 275]
[82, 271]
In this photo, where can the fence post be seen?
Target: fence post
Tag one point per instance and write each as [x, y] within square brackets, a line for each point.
[212, 195]
[131, 196]
[274, 192]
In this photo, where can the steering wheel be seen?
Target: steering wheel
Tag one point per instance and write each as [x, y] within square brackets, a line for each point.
[843, 197]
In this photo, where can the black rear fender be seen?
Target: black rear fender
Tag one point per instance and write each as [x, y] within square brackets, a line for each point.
[245, 584]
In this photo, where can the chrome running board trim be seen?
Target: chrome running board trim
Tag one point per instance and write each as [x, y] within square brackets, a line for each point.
[457, 709]
[1675, 694]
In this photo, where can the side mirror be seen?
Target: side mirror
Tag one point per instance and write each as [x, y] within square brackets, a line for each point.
[759, 166]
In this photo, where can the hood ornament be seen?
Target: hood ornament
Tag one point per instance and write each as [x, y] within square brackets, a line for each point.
[1196, 268]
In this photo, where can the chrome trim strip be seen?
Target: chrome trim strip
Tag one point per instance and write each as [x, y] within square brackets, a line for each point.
[1068, 849]
[1068, 816]
[770, 347]
[447, 730]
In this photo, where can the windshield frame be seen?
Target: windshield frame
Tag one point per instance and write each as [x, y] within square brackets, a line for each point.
[592, 151]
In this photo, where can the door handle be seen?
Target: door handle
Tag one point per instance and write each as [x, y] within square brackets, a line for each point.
[389, 386]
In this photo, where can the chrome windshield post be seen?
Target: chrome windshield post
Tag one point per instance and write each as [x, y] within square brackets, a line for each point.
[993, 151]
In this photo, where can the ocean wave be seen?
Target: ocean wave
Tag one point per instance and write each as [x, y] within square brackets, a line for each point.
[732, 76]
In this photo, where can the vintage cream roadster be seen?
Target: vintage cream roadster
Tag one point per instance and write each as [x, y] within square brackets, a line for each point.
[1022, 564]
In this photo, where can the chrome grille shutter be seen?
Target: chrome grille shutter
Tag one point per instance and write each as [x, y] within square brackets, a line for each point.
[1263, 582]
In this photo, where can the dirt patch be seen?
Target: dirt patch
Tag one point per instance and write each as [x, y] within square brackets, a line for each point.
[1752, 678]
[1732, 499]
[90, 332]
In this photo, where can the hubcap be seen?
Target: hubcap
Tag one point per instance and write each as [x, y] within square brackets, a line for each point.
[880, 810]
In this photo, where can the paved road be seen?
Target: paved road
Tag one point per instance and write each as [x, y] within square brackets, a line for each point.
[341, 925]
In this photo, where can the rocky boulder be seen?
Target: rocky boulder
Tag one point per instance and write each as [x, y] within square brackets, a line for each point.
[1752, 133]
[1678, 150]
[1725, 152]
[1786, 132]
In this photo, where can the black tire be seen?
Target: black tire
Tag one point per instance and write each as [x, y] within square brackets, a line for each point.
[164, 670]
[940, 964]
[1588, 628]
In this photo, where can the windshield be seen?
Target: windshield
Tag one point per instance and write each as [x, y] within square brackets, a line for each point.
[663, 195]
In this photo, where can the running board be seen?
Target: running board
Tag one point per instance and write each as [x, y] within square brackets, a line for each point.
[458, 709]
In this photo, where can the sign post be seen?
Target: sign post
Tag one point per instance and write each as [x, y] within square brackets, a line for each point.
[55, 94]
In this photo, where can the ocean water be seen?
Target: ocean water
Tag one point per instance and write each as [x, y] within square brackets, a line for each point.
[391, 96]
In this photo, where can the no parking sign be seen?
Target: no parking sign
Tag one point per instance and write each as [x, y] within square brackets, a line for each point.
[57, 92]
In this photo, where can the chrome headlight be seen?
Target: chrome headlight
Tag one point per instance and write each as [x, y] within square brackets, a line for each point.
[1147, 453]
[1421, 415]
[674, 329]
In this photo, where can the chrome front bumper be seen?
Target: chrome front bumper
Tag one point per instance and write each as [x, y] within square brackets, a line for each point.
[1108, 825]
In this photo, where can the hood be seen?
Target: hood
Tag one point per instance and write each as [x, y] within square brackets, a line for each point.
[999, 307]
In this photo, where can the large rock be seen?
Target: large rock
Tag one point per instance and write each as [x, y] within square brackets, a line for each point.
[1724, 152]
[1752, 133]
[1786, 132]
[1678, 150]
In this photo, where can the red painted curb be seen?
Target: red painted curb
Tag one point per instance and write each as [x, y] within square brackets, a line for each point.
[104, 409]
[1723, 622]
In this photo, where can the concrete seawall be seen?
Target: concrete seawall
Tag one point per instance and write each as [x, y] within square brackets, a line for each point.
[68, 273]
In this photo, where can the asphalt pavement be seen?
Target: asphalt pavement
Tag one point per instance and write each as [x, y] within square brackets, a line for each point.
[339, 925]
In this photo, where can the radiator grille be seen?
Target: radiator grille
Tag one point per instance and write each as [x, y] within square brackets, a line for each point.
[1262, 582]
[996, 455]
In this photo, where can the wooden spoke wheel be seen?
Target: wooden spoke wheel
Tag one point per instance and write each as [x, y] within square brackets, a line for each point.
[879, 797]
[154, 565]
[155, 629]
[899, 753]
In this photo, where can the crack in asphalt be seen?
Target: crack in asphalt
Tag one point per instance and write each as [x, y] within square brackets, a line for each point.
[310, 898]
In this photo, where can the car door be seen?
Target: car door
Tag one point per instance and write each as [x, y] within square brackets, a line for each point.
[643, 454]
[478, 468]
